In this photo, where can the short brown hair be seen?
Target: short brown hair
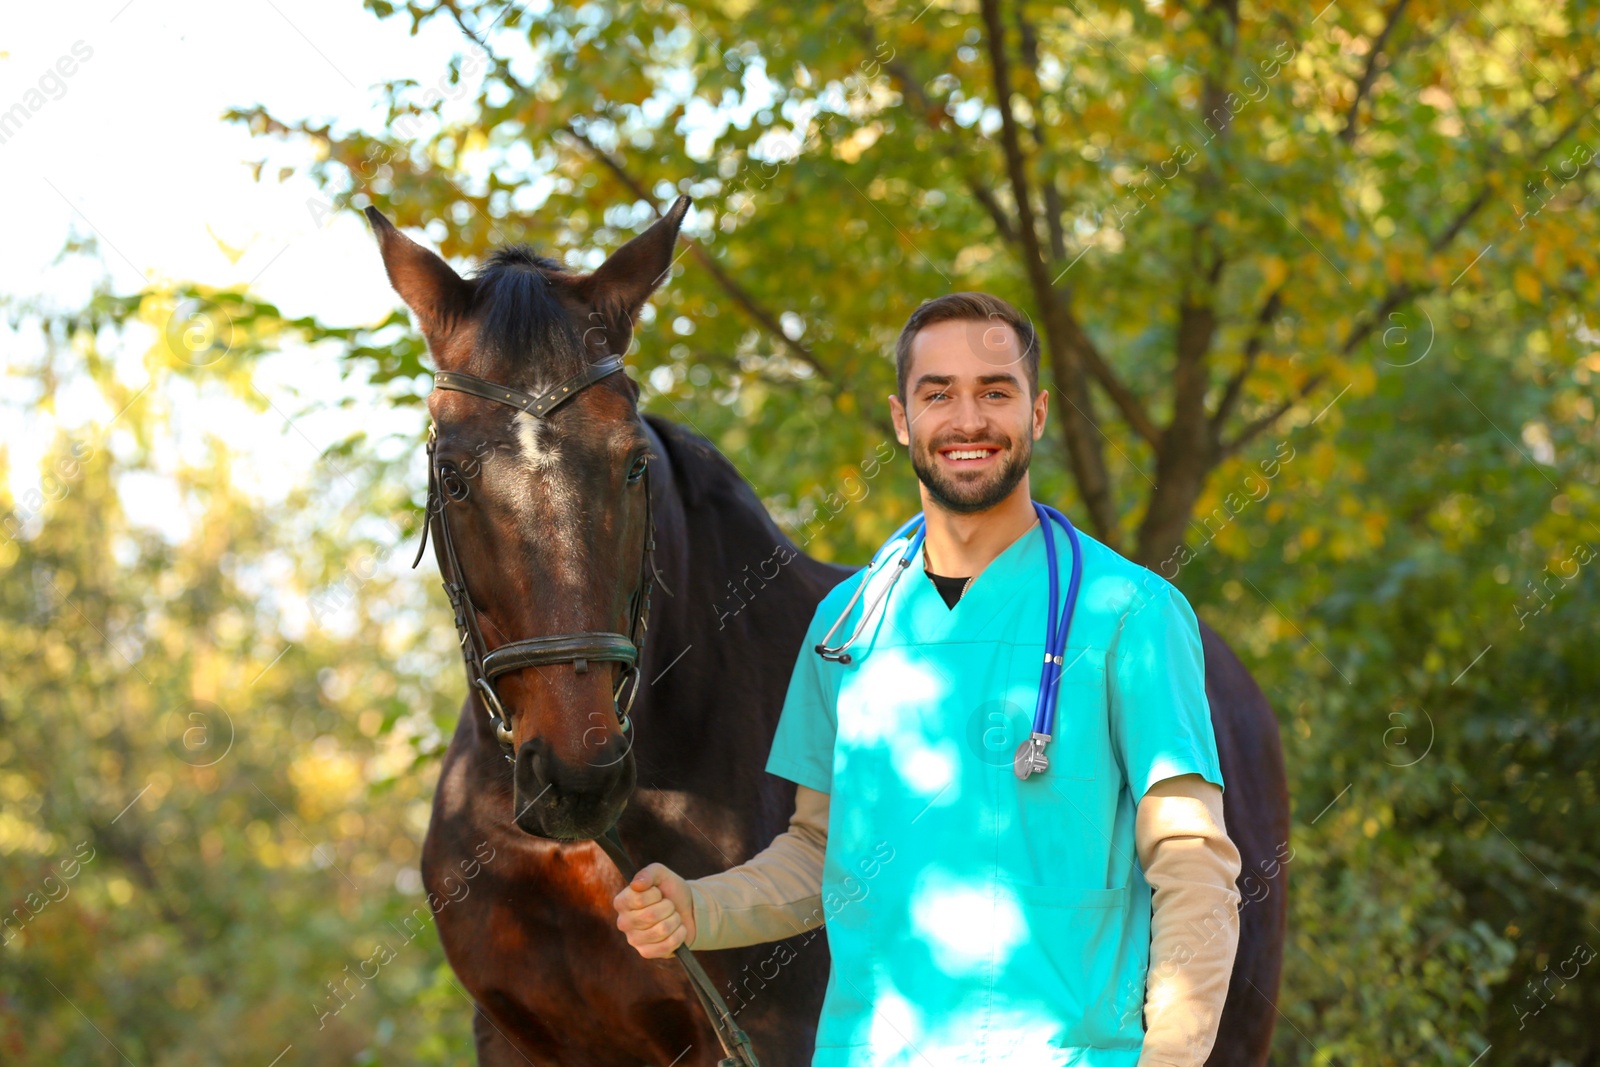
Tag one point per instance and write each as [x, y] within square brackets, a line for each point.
[967, 307]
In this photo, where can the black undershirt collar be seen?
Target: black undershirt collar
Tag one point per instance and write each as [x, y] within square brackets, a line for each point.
[949, 588]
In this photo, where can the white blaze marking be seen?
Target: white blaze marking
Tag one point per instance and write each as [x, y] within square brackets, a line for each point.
[547, 494]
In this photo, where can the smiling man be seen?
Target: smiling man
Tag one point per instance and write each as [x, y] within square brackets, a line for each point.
[1081, 910]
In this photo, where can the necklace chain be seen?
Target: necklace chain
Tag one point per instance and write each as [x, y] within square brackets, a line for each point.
[964, 588]
[929, 573]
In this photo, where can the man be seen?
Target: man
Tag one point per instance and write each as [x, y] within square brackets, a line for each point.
[1086, 914]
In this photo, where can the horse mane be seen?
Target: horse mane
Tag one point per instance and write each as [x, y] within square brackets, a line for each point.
[521, 314]
[701, 473]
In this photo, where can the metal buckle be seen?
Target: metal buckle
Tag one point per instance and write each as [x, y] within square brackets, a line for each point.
[497, 713]
[623, 722]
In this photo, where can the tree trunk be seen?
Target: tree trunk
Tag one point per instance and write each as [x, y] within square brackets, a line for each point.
[1187, 452]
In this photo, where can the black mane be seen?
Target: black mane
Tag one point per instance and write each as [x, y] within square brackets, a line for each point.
[522, 321]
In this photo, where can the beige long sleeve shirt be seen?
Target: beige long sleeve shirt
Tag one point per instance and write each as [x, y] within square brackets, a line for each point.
[1184, 851]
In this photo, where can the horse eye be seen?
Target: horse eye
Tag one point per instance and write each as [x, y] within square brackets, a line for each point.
[640, 465]
[454, 486]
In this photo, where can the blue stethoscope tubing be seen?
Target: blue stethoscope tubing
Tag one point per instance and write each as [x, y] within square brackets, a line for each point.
[1044, 714]
[1056, 626]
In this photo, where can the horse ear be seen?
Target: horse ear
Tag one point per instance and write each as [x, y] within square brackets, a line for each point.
[435, 293]
[621, 285]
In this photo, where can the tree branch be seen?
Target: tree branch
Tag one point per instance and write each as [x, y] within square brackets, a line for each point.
[997, 214]
[1255, 428]
[1127, 404]
[740, 296]
[1085, 450]
[1370, 74]
[1053, 208]
[1252, 351]
[1016, 167]
[1397, 294]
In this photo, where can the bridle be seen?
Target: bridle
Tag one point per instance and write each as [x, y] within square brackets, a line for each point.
[485, 665]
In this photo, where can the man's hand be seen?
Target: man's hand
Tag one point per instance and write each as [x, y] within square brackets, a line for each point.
[656, 911]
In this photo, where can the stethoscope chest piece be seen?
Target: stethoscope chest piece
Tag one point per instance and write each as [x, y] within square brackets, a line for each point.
[1030, 757]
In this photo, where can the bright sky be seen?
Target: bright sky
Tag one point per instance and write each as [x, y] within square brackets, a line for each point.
[130, 148]
[132, 145]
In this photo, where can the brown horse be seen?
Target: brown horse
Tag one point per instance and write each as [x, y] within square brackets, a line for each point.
[549, 526]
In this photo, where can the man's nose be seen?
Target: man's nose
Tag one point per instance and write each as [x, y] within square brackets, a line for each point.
[968, 416]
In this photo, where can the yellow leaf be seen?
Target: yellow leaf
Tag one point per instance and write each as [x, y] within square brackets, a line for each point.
[1275, 270]
[1374, 524]
[1526, 283]
[1364, 377]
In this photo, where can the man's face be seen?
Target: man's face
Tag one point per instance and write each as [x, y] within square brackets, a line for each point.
[967, 419]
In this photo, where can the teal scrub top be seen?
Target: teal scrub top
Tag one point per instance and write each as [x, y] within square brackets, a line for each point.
[972, 917]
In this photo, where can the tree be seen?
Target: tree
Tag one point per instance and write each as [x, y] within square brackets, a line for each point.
[1222, 217]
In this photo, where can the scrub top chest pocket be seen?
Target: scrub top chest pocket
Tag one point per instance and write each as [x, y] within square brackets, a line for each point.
[1080, 746]
[1059, 831]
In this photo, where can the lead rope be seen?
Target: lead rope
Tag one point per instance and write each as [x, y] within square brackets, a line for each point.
[735, 1042]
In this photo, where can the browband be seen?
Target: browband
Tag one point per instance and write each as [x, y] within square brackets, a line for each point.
[537, 406]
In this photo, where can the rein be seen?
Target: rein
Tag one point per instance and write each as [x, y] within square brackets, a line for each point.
[485, 665]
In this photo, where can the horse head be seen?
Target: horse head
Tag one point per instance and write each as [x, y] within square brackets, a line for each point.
[539, 505]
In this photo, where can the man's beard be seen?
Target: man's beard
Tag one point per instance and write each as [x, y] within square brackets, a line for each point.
[967, 495]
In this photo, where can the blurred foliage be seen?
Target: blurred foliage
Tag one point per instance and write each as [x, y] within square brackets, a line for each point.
[1436, 687]
[1246, 211]
[1392, 234]
[214, 754]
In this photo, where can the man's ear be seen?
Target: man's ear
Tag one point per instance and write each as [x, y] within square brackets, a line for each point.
[437, 295]
[621, 285]
[897, 413]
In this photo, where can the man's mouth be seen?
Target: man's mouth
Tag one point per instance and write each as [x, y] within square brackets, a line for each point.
[968, 455]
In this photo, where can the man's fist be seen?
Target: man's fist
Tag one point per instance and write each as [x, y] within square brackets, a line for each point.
[656, 911]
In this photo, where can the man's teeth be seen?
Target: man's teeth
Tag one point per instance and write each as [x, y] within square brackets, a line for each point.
[967, 453]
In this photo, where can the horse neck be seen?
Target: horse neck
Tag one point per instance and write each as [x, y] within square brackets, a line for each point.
[721, 647]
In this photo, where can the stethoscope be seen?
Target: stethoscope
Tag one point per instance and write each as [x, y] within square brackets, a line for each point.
[1030, 757]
